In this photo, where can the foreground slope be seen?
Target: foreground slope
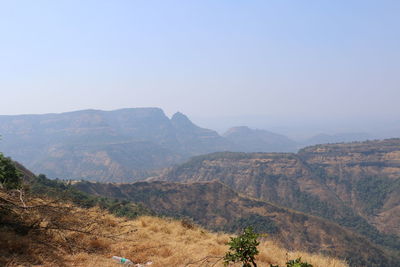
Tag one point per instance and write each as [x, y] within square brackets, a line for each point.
[49, 233]
[218, 207]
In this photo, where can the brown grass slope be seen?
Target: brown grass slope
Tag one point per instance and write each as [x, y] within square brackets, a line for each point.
[218, 207]
[44, 232]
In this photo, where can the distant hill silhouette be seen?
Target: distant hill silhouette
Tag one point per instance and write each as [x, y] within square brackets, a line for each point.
[254, 140]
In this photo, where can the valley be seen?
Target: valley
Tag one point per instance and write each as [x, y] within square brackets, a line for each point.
[333, 199]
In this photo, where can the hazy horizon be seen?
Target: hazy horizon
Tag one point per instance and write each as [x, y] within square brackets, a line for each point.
[281, 66]
[366, 128]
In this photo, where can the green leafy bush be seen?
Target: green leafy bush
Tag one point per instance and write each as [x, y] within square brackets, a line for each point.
[10, 177]
[243, 248]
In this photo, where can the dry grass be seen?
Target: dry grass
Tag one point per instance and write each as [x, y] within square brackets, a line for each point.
[165, 242]
[168, 242]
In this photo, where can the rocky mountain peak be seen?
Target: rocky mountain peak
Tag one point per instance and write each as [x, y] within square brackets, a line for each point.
[181, 120]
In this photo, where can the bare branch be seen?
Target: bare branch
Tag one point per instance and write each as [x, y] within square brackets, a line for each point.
[20, 197]
[11, 203]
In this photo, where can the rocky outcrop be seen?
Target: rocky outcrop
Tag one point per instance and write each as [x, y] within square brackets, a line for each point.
[356, 185]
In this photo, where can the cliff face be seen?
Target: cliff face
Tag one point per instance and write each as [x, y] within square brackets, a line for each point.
[356, 185]
[364, 176]
[218, 207]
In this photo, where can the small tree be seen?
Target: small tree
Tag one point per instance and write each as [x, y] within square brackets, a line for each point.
[10, 177]
[243, 248]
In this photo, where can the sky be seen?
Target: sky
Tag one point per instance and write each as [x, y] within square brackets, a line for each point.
[266, 63]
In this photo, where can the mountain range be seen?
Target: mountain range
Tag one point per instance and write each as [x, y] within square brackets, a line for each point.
[104, 145]
[125, 145]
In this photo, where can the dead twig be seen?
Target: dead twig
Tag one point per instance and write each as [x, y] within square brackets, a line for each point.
[121, 234]
[206, 260]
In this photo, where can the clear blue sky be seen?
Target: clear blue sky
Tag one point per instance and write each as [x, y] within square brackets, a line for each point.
[280, 59]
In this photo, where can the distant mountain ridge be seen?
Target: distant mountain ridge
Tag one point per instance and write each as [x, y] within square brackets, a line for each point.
[255, 140]
[105, 145]
[336, 138]
[122, 145]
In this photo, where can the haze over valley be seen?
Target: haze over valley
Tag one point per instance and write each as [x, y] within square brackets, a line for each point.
[129, 144]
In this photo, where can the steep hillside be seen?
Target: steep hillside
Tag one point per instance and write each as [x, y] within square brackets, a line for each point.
[117, 162]
[364, 176]
[254, 140]
[218, 207]
[120, 145]
[356, 185]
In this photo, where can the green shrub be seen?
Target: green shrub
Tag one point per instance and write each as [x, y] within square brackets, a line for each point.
[243, 248]
[10, 177]
[297, 263]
